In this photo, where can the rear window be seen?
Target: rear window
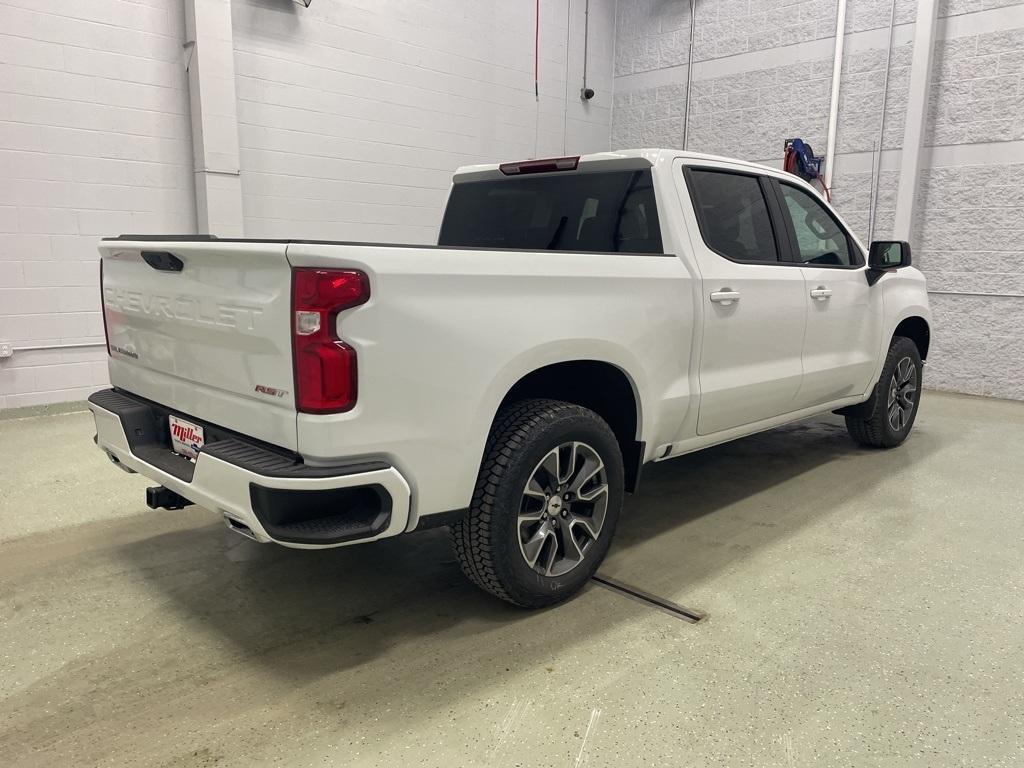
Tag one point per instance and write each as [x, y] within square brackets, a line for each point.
[608, 211]
[733, 215]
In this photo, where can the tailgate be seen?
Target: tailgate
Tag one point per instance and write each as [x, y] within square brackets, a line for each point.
[204, 328]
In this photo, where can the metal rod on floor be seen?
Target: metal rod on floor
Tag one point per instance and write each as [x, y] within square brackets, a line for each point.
[661, 603]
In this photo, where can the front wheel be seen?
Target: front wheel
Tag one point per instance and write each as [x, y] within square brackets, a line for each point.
[546, 503]
[895, 400]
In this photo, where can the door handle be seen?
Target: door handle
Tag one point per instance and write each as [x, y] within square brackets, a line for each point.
[725, 297]
[821, 293]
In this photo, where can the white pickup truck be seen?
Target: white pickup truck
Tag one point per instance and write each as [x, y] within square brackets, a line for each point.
[578, 318]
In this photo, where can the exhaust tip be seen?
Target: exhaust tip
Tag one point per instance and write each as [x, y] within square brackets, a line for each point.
[239, 527]
[117, 462]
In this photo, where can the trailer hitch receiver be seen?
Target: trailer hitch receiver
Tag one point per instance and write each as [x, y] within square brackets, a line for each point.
[159, 497]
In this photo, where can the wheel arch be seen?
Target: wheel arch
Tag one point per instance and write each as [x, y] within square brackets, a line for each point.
[916, 329]
[600, 386]
[912, 327]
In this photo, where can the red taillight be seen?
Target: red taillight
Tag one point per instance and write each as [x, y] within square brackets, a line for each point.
[325, 367]
[540, 166]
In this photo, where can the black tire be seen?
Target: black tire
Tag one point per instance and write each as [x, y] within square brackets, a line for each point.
[487, 540]
[878, 428]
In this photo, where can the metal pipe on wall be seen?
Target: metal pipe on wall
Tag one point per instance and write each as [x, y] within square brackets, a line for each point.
[984, 295]
[877, 173]
[586, 42]
[833, 109]
[689, 74]
[565, 102]
[42, 347]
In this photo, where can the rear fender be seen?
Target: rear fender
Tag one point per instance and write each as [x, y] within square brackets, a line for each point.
[565, 351]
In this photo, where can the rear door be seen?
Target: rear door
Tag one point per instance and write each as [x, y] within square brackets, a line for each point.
[753, 302]
[843, 314]
[204, 328]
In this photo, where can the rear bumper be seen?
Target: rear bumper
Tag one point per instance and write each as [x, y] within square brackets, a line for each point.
[262, 492]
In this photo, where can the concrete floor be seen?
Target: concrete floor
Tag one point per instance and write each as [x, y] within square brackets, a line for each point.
[864, 608]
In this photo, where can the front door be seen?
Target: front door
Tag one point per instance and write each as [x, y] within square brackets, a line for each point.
[843, 313]
[753, 303]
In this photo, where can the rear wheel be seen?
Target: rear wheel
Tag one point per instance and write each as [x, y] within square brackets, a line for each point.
[546, 503]
[895, 400]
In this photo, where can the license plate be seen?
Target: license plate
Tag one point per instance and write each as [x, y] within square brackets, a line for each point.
[186, 437]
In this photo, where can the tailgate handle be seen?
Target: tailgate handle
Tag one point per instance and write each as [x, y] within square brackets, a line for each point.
[163, 260]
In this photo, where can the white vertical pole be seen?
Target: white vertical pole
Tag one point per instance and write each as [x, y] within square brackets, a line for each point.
[833, 107]
[917, 112]
[210, 58]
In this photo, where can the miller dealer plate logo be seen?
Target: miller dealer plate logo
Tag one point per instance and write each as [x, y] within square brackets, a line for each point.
[186, 433]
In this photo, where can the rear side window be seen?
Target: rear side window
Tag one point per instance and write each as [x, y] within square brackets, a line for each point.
[607, 211]
[733, 215]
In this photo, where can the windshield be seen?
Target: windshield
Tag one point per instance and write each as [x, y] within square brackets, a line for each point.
[607, 211]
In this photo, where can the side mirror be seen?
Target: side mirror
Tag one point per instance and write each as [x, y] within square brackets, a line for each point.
[889, 254]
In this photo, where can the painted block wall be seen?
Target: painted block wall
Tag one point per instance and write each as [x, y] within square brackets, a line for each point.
[94, 140]
[352, 116]
[970, 229]
[762, 73]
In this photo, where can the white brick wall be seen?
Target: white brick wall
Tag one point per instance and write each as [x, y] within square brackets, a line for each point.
[970, 225]
[94, 140]
[352, 116]
[763, 73]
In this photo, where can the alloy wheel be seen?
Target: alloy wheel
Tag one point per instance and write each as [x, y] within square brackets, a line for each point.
[902, 393]
[563, 509]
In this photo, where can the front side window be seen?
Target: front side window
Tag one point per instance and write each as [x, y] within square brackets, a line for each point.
[733, 215]
[819, 239]
[605, 211]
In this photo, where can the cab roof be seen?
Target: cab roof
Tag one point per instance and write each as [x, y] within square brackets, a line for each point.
[623, 159]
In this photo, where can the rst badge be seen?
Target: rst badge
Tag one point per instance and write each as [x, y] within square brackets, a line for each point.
[186, 437]
[272, 391]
